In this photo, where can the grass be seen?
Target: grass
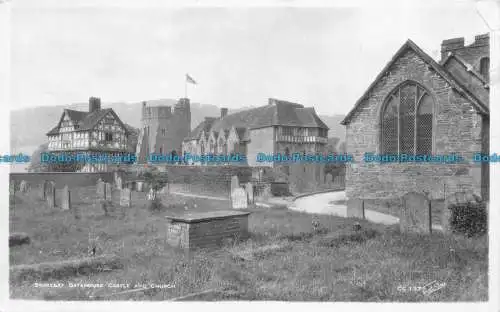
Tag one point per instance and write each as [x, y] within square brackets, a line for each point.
[285, 258]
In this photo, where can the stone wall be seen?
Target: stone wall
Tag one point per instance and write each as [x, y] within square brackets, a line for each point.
[261, 141]
[71, 179]
[456, 129]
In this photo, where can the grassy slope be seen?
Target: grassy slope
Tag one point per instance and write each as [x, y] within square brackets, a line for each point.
[283, 260]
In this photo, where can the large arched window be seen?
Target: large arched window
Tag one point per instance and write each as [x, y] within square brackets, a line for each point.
[407, 121]
[484, 67]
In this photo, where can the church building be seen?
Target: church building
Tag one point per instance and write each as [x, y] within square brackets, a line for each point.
[418, 106]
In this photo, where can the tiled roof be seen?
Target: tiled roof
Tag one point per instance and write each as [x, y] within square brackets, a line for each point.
[203, 126]
[467, 76]
[478, 103]
[277, 113]
[86, 120]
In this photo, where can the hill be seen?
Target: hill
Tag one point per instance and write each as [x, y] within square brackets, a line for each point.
[29, 126]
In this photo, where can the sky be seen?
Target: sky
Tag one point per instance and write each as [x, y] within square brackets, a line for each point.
[240, 56]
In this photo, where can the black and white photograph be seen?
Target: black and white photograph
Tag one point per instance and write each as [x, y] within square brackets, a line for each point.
[163, 151]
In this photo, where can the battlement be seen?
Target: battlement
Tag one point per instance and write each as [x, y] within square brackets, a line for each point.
[156, 112]
[457, 45]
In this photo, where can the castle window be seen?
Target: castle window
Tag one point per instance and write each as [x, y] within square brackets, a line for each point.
[163, 132]
[287, 131]
[484, 67]
[407, 121]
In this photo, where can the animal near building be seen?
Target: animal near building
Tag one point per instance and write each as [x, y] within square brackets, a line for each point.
[98, 132]
[163, 129]
[418, 106]
[280, 127]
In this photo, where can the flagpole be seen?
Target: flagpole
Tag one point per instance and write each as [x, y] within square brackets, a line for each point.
[185, 88]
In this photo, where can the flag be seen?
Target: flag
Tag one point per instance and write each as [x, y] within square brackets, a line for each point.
[189, 79]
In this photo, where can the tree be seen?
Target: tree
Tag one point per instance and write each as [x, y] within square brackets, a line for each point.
[157, 181]
[35, 164]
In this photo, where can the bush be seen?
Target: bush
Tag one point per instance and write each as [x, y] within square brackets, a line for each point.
[16, 239]
[470, 219]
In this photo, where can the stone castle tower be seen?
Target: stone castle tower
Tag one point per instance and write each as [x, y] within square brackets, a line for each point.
[163, 129]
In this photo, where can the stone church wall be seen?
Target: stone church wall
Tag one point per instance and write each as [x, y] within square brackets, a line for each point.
[457, 129]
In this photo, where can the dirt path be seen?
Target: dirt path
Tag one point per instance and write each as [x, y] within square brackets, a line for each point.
[320, 204]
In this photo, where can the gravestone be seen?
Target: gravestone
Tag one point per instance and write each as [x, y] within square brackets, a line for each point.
[107, 191]
[139, 186]
[118, 182]
[151, 195]
[329, 178]
[43, 190]
[415, 214]
[66, 198]
[356, 208]
[101, 189]
[235, 183]
[23, 187]
[239, 198]
[50, 195]
[125, 197]
[250, 192]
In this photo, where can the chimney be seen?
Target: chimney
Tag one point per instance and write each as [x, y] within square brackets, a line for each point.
[450, 45]
[223, 112]
[94, 104]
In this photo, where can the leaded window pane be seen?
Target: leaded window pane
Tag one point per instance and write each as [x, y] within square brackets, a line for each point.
[424, 124]
[390, 127]
[405, 130]
[408, 95]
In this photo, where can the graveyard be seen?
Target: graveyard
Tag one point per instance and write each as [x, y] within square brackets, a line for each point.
[284, 255]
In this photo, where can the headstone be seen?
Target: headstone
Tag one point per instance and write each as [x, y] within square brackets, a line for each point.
[329, 178]
[23, 186]
[250, 192]
[235, 183]
[118, 182]
[43, 190]
[151, 195]
[239, 198]
[107, 191]
[101, 189]
[66, 198]
[50, 195]
[125, 197]
[139, 186]
[415, 214]
[356, 208]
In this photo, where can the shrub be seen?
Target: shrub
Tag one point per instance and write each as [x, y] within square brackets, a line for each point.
[470, 218]
[16, 239]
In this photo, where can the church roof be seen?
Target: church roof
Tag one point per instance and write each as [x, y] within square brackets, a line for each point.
[451, 79]
[86, 120]
[468, 76]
